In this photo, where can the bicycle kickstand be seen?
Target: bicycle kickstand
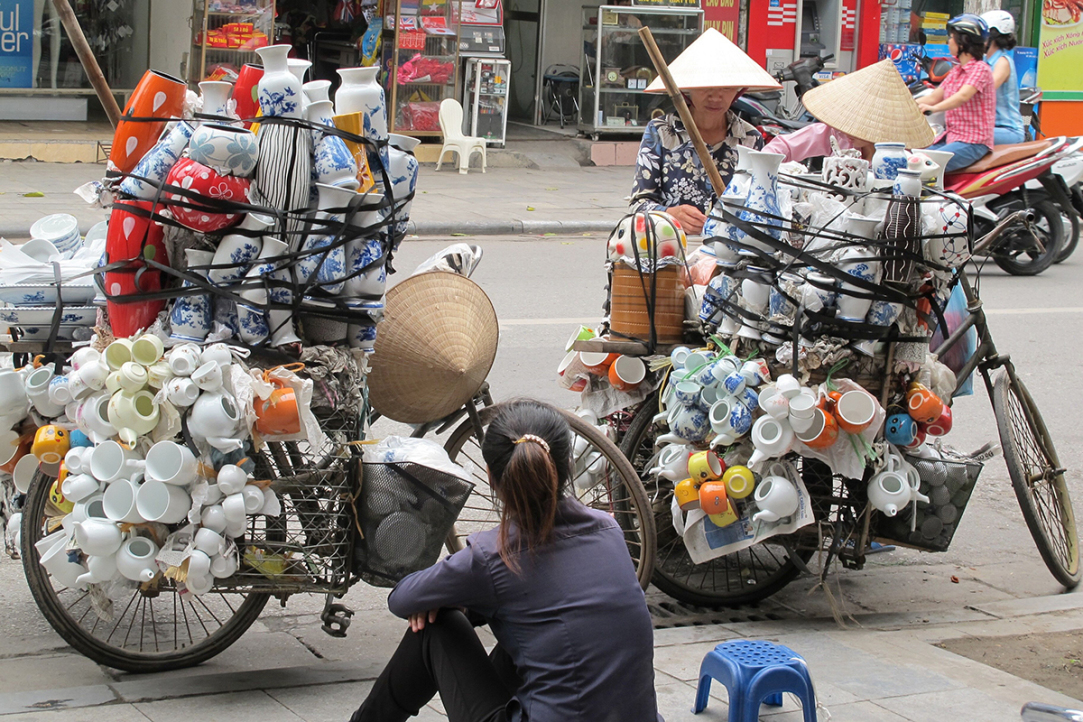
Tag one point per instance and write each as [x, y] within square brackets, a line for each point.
[336, 617]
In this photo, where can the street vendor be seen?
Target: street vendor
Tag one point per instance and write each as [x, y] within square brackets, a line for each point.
[711, 72]
[859, 110]
[574, 637]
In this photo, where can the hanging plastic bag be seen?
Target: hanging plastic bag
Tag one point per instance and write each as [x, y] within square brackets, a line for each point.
[955, 358]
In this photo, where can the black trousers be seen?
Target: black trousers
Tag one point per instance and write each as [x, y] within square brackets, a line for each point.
[446, 657]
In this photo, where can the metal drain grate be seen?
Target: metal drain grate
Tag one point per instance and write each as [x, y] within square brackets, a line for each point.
[667, 613]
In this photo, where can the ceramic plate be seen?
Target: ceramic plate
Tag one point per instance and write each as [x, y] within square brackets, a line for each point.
[43, 315]
[32, 294]
[64, 333]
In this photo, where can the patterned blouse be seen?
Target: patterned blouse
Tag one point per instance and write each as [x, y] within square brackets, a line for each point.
[668, 171]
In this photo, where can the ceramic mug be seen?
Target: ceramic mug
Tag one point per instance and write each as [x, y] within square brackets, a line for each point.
[160, 502]
[278, 415]
[626, 373]
[182, 392]
[232, 479]
[37, 390]
[171, 463]
[147, 350]
[687, 494]
[78, 487]
[900, 430]
[712, 497]
[705, 466]
[922, 404]
[739, 480]
[118, 353]
[51, 443]
[597, 362]
[119, 501]
[941, 426]
[184, 359]
[111, 461]
[823, 432]
[855, 411]
[208, 377]
[91, 375]
[214, 518]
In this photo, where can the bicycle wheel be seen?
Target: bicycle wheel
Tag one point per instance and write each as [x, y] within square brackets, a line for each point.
[1037, 477]
[1019, 254]
[743, 577]
[618, 491]
[151, 628]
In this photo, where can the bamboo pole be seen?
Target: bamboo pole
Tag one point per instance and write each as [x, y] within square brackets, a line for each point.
[683, 111]
[86, 57]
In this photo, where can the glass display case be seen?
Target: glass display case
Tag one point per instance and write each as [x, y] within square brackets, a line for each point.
[616, 69]
[225, 36]
[486, 99]
[424, 64]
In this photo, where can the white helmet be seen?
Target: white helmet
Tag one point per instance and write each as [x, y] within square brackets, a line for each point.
[1000, 20]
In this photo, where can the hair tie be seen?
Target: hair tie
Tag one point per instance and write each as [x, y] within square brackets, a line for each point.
[536, 439]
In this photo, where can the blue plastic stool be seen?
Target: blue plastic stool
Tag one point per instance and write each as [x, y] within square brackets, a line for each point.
[755, 672]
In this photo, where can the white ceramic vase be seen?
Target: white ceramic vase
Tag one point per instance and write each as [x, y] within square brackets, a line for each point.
[215, 94]
[333, 162]
[279, 90]
[361, 93]
[403, 170]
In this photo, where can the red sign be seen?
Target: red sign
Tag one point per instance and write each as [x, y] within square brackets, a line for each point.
[723, 16]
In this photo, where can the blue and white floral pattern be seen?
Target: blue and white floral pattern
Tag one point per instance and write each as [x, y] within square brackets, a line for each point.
[334, 164]
[158, 161]
[282, 101]
[228, 150]
[668, 172]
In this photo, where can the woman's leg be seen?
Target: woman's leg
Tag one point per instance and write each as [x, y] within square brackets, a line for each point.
[1004, 136]
[966, 154]
[445, 657]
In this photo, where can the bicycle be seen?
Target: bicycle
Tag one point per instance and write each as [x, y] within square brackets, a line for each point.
[757, 572]
[309, 548]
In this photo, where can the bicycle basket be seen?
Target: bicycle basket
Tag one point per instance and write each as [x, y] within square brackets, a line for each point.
[948, 482]
[405, 512]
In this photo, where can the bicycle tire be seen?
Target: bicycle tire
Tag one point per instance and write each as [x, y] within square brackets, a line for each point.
[1071, 236]
[66, 610]
[1037, 477]
[674, 571]
[1017, 243]
[626, 499]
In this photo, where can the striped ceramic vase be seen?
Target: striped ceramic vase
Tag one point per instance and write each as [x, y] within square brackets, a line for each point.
[284, 175]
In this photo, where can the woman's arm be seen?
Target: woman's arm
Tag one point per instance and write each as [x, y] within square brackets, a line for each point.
[1002, 70]
[460, 580]
[931, 99]
[958, 98]
[808, 142]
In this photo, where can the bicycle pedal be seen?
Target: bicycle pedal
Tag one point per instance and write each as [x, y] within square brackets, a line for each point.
[336, 619]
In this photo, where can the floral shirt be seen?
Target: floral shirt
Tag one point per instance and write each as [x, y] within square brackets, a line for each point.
[668, 171]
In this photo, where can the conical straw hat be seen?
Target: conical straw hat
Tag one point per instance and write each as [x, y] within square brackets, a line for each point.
[872, 104]
[434, 347]
[712, 61]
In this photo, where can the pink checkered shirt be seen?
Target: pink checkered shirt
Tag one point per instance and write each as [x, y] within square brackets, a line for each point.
[973, 121]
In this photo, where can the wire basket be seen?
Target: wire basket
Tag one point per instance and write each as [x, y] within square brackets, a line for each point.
[949, 483]
[405, 513]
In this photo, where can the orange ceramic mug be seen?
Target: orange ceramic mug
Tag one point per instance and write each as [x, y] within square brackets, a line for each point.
[50, 444]
[597, 362]
[712, 497]
[626, 373]
[278, 415]
[705, 466]
[823, 433]
[922, 404]
[687, 495]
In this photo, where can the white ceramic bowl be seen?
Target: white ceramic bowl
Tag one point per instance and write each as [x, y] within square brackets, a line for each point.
[60, 228]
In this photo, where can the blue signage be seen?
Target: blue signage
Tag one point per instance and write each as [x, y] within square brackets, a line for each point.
[16, 43]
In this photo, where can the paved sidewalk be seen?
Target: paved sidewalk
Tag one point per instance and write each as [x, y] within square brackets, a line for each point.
[884, 668]
[502, 201]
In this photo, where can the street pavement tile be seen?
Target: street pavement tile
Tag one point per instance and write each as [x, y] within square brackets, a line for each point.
[324, 702]
[235, 707]
[66, 697]
[65, 670]
[675, 704]
[112, 713]
[856, 712]
[958, 704]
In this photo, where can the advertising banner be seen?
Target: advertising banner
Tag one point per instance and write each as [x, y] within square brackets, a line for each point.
[16, 43]
[723, 16]
[1060, 50]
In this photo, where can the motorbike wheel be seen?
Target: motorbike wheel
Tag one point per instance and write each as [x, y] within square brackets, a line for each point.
[1018, 252]
[1071, 236]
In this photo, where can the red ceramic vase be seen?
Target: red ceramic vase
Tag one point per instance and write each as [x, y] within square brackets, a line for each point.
[128, 318]
[198, 178]
[156, 96]
[245, 91]
[134, 236]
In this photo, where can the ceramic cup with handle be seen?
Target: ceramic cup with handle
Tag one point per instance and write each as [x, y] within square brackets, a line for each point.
[739, 480]
[172, 463]
[823, 432]
[855, 411]
[686, 493]
[161, 502]
[626, 373]
[111, 461]
[705, 466]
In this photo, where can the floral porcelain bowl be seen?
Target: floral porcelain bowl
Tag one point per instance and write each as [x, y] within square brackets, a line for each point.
[201, 180]
[227, 149]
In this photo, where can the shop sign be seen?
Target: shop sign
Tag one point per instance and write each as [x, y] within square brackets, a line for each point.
[668, 3]
[1060, 47]
[16, 43]
[723, 16]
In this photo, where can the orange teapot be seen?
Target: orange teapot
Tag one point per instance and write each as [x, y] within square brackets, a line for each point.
[278, 415]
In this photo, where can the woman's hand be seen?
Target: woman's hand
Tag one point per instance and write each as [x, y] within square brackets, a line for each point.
[925, 107]
[418, 621]
[690, 218]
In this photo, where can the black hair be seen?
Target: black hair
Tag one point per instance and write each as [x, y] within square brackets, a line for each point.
[527, 478]
[999, 40]
[968, 44]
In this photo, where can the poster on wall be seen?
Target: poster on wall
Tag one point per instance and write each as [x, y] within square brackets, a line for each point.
[1060, 46]
[722, 15]
[16, 43]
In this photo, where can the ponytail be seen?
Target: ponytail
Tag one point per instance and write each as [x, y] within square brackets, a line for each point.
[528, 450]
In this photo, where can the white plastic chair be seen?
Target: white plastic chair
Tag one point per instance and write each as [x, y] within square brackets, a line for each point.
[451, 125]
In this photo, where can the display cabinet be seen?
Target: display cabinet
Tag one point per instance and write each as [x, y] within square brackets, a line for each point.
[486, 98]
[616, 69]
[424, 64]
[225, 36]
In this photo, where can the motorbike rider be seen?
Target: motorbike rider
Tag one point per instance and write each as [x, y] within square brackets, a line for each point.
[712, 72]
[858, 110]
[1009, 121]
[967, 96]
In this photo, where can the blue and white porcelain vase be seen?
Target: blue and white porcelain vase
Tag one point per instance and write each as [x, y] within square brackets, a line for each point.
[192, 315]
[239, 247]
[332, 162]
[881, 313]
[362, 333]
[366, 276]
[402, 170]
[361, 93]
[252, 320]
[888, 159]
[215, 95]
[329, 267]
[158, 161]
[762, 207]
[279, 90]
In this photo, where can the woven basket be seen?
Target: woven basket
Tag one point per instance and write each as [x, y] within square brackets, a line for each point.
[630, 293]
[435, 347]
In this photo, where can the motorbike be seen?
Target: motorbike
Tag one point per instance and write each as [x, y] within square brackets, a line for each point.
[768, 111]
[996, 187]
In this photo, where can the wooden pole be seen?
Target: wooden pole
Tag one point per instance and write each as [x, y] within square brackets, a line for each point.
[683, 111]
[86, 57]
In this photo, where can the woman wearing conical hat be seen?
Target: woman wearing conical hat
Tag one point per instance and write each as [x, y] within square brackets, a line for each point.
[870, 106]
[711, 72]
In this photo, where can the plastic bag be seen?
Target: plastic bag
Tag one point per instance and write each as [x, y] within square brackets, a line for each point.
[424, 452]
[956, 357]
[847, 455]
